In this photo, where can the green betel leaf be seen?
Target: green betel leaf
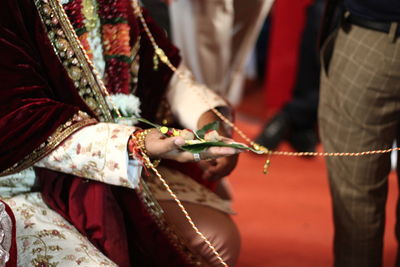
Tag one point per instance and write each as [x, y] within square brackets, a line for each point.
[200, 147]
[211, 126]
[199, 144]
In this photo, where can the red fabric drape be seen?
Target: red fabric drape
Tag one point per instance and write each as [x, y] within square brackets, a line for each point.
[287, 23]
[113, 219]
[36, 94]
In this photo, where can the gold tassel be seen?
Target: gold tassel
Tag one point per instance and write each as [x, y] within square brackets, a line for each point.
[267, 163]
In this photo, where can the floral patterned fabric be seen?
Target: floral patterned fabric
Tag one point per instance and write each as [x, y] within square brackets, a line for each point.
[97, 152]
[44, 238]
[186, 189]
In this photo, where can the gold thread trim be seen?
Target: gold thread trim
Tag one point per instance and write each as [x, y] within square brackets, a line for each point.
[67, 47]
[78, 121]
[56, 11]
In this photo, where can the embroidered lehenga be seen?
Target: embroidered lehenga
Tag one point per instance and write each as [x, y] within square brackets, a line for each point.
[76, 198]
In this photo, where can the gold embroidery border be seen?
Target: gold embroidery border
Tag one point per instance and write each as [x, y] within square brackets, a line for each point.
[67, 47]
[50, 9]
[157, 213]
[78, 121]
[6, 231]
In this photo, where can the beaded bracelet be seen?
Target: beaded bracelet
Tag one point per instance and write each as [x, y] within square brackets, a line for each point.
[133, 149]
[138, 147]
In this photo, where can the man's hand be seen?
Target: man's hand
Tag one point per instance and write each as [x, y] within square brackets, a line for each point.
[159, 146]
[221, 167]
[218, 168]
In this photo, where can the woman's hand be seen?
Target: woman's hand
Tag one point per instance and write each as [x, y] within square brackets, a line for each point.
[159, 146]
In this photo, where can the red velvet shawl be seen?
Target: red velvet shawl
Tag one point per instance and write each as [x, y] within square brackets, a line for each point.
[36, 93]
[37, 96]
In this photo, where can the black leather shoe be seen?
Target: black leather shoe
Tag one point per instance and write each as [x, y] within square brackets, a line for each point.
[275, 130]
[303, 140]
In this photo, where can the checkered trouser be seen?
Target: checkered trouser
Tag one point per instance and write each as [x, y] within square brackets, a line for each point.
[359, 110]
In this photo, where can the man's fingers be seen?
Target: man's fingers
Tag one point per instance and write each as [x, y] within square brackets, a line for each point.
[205, 164]
[180, 156]
[157, 145]
[216, 152]
[179, 141]
[207, 175]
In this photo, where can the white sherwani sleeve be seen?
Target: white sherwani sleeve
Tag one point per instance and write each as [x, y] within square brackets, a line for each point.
[189, 99]
[97, 152]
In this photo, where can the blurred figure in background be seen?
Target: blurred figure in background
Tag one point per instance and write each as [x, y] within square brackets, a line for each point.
[159, 11]
[216, 38]
[359, 111]
[296, 121]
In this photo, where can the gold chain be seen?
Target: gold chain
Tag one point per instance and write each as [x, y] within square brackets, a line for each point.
[163, 57]
[151, 165]
[199, 89]
[256, 146]
[145, 157]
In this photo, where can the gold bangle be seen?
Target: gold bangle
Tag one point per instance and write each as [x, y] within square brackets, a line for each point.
[156, 162]
[140, 139]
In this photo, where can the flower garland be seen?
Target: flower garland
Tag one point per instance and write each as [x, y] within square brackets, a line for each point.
[73, 11]
[116, 40]
[129, 107]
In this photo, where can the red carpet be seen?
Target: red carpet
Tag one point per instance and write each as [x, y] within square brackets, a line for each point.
[285, 217]
[287, 24]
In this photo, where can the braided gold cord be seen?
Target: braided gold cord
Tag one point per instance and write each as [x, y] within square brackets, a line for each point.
[335, 154]
[189, 219]
[190, 83]
[162, 56]
[160, 53]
